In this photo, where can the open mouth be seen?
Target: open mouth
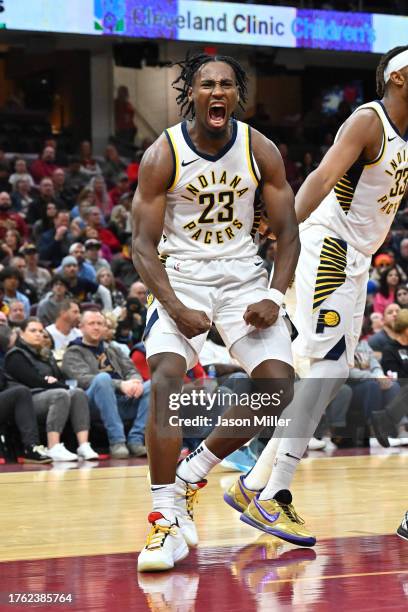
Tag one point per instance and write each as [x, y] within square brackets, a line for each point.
[217, 114]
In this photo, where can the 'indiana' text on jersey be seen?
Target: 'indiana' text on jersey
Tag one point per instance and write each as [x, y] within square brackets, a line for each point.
[211, 208]
[361, 207]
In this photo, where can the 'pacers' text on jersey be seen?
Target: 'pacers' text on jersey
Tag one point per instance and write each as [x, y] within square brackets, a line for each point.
[211, 207]
[362, 206]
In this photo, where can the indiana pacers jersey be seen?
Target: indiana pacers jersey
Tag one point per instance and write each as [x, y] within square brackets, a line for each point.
[212, 209]
[361, 207]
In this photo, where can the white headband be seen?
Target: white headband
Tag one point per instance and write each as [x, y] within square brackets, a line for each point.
[396, 63]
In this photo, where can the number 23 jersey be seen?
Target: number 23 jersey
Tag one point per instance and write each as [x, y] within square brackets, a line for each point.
[212, 206]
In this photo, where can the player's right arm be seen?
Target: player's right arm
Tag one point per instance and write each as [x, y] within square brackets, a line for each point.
[360, 137]
[148, 211]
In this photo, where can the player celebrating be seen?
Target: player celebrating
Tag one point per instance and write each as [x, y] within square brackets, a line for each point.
[197, 187]
[347, 204]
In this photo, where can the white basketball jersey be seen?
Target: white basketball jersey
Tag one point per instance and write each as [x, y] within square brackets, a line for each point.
[362, 206]
[211, 207]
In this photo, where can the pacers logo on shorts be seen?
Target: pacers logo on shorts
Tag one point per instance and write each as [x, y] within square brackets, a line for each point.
[150, 298]
[327, 318]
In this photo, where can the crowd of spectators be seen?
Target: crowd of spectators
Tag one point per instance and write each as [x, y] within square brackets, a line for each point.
[69, 288]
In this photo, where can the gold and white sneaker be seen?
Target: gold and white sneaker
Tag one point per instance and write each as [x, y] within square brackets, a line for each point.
[186, 498]
[165, 545]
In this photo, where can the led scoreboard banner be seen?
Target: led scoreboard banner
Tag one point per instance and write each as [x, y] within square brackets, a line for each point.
[209, 21]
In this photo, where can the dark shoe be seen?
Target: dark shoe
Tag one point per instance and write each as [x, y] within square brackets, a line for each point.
[383, 427]
[402, 530]
[137, 449]
[35, 454]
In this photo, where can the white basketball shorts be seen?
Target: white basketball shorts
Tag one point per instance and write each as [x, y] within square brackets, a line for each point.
[331, 288]
[223, 289]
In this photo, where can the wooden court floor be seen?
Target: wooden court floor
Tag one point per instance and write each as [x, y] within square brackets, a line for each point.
[78, 531]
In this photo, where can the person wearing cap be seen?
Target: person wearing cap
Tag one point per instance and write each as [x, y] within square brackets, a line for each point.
[92, 248]
[48, 307]
[81, 288]
[85, 270]
[34, 274]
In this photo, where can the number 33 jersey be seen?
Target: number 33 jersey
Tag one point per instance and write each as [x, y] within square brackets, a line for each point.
[362, 206]
[212, 202]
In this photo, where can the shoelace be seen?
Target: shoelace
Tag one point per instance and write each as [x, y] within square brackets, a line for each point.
[191, 499]
[291, 513]
[157, 535]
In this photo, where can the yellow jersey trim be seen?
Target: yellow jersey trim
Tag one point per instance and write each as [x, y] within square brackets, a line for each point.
[250, 160]
[176, 160]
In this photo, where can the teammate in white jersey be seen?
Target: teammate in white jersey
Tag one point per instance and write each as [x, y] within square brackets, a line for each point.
[196, 203]
[347, 206]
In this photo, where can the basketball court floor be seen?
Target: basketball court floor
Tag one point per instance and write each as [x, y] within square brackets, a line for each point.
[78, 531]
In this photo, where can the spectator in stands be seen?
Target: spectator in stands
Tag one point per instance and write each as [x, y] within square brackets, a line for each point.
[125, 128]
[292, 171]
[308, 165]
[63, 194]
[80, 288]
[75, 180]
[44, 166]
[48, 307]
[381, 262]
[46, 223]
[102, 198]
[121, 187]
[92, 255]
[29, 364]
[55, 243]
[401, 296]
[9, 219]
[376, 321]
[11, 279]
[105, 277]
[89, 166]
[10, 246]
[390, 278]
[122, 266]
[20, 173]
[113, 166]
[133, 168]
[21, 198]
[378, 341]
[16, 403]
[372, 389]
[65, 329]
[16, 314]
[131, 322]
[402, 259]
[138, 290]
[111, 324]
[395, 351]
[34, 274]
[29, 290]
[38, 208]
[3, 319]
[85, 270]
[121, 214]
[114, 387]
[105, 235]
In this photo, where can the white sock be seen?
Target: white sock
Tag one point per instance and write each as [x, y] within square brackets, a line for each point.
[257, 478]
[163, 500]
[197, 464]
[282, 474]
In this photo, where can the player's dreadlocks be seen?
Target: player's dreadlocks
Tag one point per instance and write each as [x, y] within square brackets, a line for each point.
[382, 66]
[189, 68]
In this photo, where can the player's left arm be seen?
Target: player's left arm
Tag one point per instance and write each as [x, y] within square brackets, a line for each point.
[279, 203]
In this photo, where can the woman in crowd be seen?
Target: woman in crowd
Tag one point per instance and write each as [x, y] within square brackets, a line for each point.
[31, 364]
[390, 278]
[102, 200]
[105, 277]
[16, 404]
[401, 296]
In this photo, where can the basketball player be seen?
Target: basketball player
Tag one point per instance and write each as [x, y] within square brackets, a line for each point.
[347, 206]
[197, 187]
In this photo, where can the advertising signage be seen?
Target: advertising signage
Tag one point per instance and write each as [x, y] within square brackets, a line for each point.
[207, 21]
